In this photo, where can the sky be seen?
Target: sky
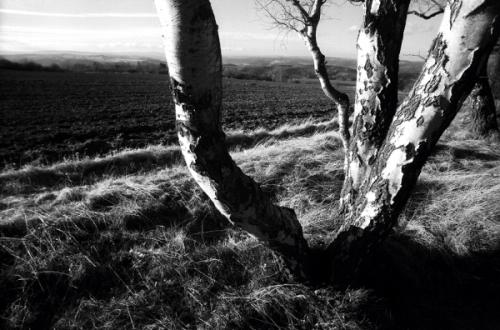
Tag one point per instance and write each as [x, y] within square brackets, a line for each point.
[131, 26]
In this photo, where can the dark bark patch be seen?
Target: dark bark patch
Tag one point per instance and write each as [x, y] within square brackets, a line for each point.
[411, 172]
[368, 126]
[455, 7]
[356, 126]
[420, 121]
[382, 50]
[431, 101]
[184, 130]
[182, 95]
[212, 156]
[438, 47]
[381, 190]
[384, 153]
[368, 68]
[410, 150]
[407, 110]
[179, 92]
[202, 13]
[432, 84]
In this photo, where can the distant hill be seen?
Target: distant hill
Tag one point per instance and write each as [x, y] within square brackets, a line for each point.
[47, 58]
[270, 61]
[89, 62]
[300, 69]
[281, 69]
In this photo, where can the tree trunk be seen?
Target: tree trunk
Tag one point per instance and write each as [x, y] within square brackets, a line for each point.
[458, 54]
[379, 44]
[465, 39]
[493, 71]
[482, 110]
[341, 99]
[194, 61]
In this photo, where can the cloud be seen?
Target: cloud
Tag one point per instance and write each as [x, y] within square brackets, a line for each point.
[85, 15]
[248, 35]
[25, 31]
[21, 38]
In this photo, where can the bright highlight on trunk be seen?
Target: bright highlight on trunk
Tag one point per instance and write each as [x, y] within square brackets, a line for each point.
[389, 146]
[194, 60]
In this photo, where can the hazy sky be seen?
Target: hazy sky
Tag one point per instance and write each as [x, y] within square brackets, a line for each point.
[131, 26]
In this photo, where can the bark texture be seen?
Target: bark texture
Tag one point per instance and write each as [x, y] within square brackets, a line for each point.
[379, 44]
[194, 60]
[494, 71]
[388, 151]
[465, 39]
[482, 107]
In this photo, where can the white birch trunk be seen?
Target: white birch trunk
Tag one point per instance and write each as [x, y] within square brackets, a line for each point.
[194, 61]
[340, 99]
[379, 44]
[465, 39]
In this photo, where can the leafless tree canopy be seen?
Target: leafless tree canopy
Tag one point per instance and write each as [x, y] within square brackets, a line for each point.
[389, 145]
[294, 15]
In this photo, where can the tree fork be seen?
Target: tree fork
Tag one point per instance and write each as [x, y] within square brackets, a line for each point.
[379, 45]
[466, 37]
[195, 66]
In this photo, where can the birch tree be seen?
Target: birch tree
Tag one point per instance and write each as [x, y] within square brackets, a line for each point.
[303, 17]
[468, 31]
[379, 44]
[480, 102]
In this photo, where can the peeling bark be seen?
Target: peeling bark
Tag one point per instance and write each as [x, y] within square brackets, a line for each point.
[379, 44]
[194, 60]
[387, 156]
[467, 35]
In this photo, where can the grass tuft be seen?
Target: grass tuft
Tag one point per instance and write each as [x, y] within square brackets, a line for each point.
[136, 244]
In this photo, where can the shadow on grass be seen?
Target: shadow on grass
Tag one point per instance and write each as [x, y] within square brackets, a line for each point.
[465, 153]
[428, 288]
[86, 171]
[89, 276]
[61, 269]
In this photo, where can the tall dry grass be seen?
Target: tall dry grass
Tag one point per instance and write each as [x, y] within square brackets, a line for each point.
[142, 247]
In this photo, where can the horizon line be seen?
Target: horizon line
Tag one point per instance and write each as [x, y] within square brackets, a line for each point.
[84, 15]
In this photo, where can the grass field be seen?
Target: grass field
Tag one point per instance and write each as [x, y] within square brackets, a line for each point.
[127, 240]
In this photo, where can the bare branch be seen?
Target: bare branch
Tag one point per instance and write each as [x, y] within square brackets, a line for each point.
[303, 16]
[303, 12]
[428, 9]
[426, 16]
[282, 18]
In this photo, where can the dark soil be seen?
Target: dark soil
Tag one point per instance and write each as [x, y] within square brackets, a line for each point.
[46, 116]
